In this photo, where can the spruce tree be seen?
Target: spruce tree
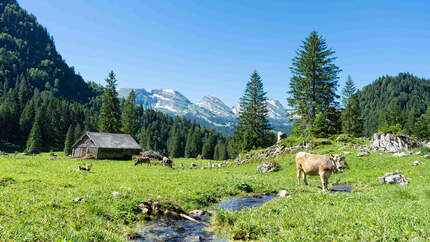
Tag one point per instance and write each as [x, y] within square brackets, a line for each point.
[188, 153]
[143, 139]
[320, 127]
[216, 152]
[253, 130]
[110, 117]
[314, 79]
[34, 142]
[208, 148]
[175, 144]
[129, 115]
[77, 133]
[351, 118]
[193, 147]
[348, 91]
[422, 128]
[69, 141]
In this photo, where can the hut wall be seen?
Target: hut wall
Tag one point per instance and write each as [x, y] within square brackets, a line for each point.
[120, 154]
[85, 142]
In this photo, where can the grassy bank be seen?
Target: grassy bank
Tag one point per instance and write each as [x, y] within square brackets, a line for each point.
[37, 199]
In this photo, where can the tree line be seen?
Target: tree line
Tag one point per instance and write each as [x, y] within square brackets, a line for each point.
[37, 121]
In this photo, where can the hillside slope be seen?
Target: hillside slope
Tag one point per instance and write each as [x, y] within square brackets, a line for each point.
[406, 92]
[27, 52]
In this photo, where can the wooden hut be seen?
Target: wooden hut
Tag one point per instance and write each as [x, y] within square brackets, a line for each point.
[106, 146]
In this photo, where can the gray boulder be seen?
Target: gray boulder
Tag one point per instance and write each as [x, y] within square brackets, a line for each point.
[362, 153]
[418, 163]
[393, 178]
[267, 166]
[401, 154]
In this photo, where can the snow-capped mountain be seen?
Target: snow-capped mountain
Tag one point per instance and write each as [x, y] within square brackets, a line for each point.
[216, 106]
[209, 111]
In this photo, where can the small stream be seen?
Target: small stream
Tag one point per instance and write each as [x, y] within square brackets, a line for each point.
[341, 187]
[185, 230]
[237, 204]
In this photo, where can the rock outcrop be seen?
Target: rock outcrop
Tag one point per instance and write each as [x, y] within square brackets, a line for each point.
[389, 142]
[267, 166]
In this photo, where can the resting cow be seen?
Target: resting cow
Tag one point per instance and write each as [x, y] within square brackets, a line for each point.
[321, 165]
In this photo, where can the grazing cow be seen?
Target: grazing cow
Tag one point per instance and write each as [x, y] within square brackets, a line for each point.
[141, 160]
[321, 165]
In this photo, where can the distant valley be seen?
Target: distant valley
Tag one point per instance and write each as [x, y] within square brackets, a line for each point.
[209, 111]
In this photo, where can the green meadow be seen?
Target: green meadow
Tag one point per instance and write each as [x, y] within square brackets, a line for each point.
[45, 199]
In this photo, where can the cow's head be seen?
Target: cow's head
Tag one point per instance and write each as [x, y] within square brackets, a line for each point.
[339, 162]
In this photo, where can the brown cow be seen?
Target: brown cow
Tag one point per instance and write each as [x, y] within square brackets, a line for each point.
[321, 165]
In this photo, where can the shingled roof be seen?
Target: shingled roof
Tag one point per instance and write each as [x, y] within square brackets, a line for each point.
[111, 141]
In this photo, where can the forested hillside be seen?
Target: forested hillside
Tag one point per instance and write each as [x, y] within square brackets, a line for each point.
[28, 54]
[400, 100]
[43, 100]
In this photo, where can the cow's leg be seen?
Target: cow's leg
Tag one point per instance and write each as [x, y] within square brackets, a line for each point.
[298, 176]
[323, 181]
[304, 178]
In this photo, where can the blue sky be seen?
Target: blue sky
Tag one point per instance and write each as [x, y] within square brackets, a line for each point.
[211, 47]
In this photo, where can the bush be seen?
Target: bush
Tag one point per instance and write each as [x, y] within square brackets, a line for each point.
[291, 141]
[345, 138]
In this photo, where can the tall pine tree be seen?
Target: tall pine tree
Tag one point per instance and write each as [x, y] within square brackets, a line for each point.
[129, 115]
[351, 118]
[69, 141]
[110, 116]
[348, 91]
[314, 82]
[34, 142]
[208, 148]
[253, 130]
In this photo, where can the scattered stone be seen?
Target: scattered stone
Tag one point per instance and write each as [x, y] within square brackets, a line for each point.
[147, 156]
[180, 165]
[362, 153]
[418, 163]
[393, 178]
[78, 199]
[160, 207]
[199, 213]
[401, 154]
[268, 166]
[418, 153]
[271, 152]
[345, 153]
[427, 156]
[193, 165]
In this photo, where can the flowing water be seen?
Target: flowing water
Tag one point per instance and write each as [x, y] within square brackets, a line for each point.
[341, 187]
[240, 203]
[185, 230]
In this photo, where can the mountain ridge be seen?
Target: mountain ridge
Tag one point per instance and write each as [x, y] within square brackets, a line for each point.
[209, 111]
